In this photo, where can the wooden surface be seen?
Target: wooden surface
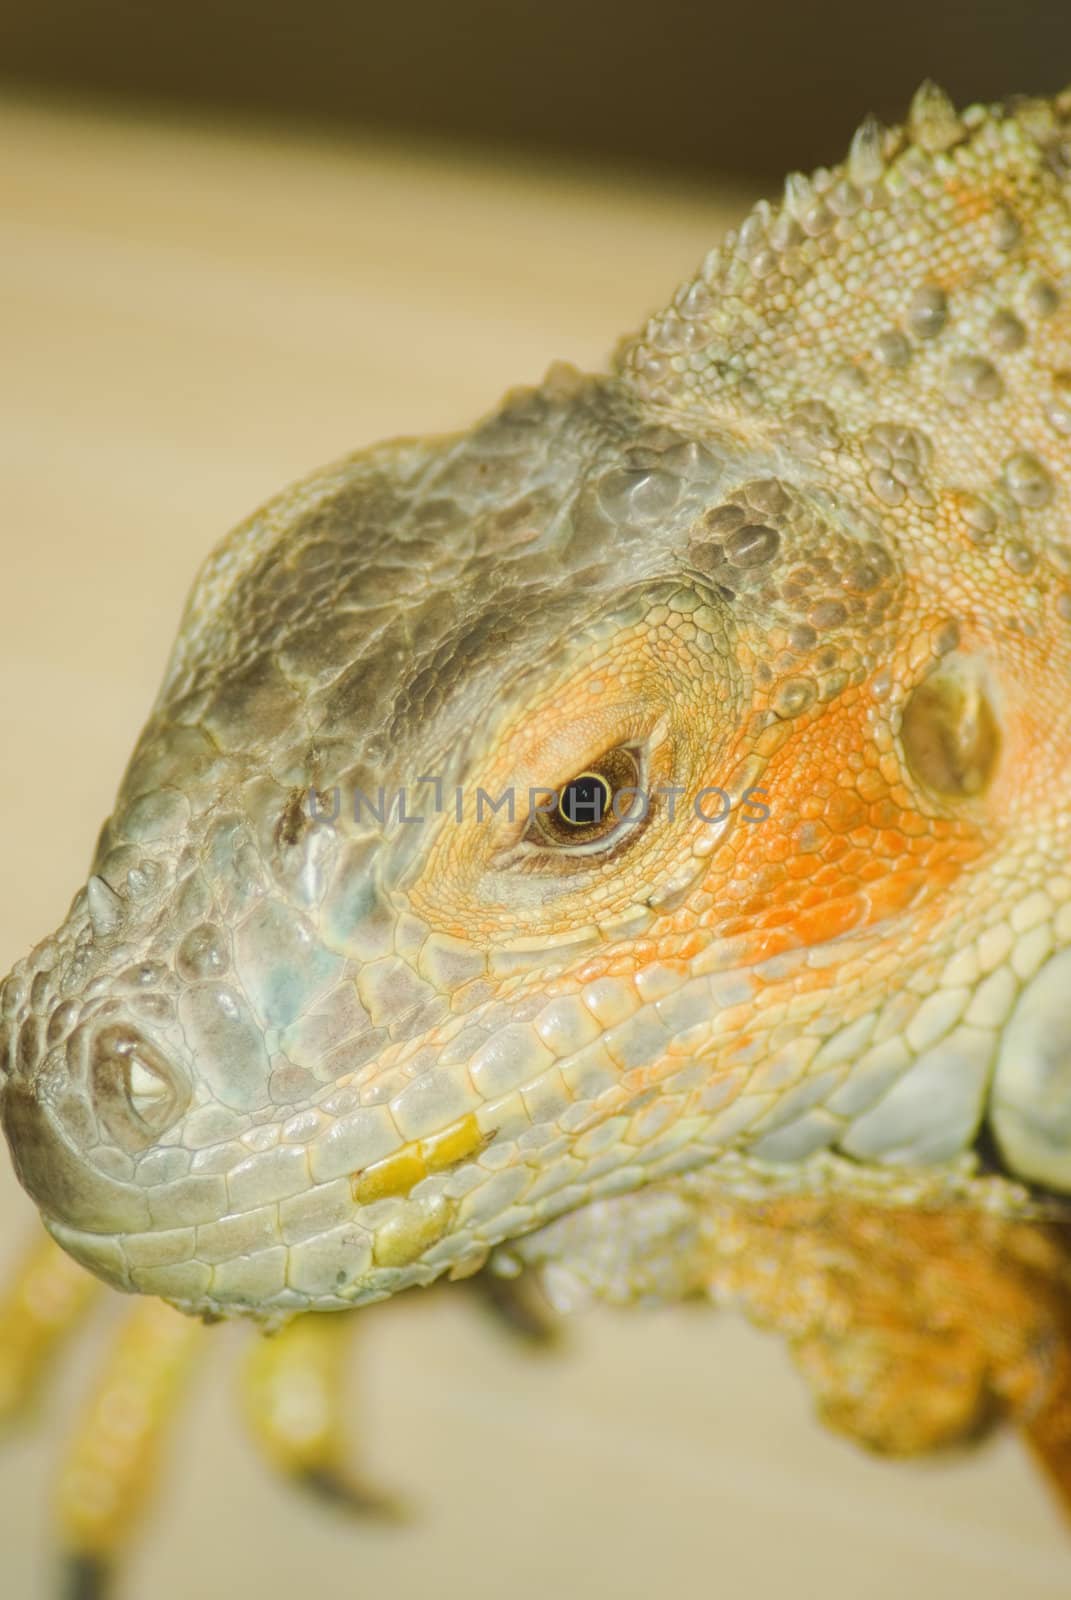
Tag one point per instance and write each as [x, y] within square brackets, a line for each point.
[189, 318]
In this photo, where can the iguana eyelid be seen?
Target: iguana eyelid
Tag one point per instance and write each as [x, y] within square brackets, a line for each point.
[516, 847]
[584, 843]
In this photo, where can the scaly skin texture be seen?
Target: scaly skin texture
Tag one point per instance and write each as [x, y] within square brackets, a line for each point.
[291, 1050]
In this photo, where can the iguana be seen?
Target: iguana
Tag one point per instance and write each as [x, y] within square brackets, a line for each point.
[628, 842]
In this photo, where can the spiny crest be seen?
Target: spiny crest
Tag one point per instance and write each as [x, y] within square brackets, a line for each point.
[898, 331]
[796, 279]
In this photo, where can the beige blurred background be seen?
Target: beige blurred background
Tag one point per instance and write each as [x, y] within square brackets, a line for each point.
[227, 256]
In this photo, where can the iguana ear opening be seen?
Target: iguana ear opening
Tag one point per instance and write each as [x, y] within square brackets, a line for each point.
[949, 732]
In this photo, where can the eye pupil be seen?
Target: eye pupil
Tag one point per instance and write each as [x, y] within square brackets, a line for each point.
[585, 799]
[595, 809]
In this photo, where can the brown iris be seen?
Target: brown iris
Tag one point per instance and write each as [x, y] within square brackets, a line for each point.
[598, 804]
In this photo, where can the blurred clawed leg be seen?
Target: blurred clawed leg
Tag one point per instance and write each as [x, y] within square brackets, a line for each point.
[109, 1471]
[1032, 1349]
[914, 1328]
[294, 1384]
[518, 1305]
[45, 1300]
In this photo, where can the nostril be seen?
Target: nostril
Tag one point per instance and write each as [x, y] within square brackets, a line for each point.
[137, 1091]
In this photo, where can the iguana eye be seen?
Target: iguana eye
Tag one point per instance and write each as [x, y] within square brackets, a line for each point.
[595, 809]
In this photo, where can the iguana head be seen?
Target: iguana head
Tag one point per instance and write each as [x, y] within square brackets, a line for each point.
[675, 766]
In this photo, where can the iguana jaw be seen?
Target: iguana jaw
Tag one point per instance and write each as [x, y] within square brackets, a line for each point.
[569, 1066]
